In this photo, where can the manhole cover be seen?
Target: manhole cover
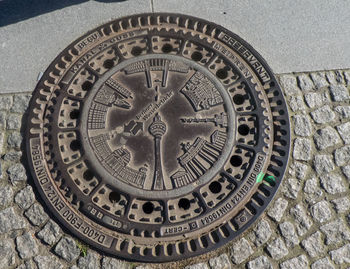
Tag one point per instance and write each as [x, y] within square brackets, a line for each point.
[157, 137]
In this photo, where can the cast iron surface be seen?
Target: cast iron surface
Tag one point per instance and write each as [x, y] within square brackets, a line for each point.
[148, 137]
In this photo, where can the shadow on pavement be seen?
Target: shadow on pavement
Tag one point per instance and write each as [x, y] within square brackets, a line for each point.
[12, 11]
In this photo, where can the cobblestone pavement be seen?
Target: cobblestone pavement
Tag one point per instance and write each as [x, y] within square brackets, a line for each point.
[306, 226]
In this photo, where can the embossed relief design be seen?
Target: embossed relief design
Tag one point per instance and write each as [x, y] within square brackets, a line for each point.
[180, 126]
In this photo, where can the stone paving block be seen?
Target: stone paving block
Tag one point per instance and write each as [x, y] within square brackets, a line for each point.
[6, 195]
[297, 262]
[332, 183]
[10, 220]
[296, 103]
[261, 262]
[319, 79]
[47, 262]
[17, 173]
[346, 171]
[13, 122]
[335, 77]
[344, 131]
[220, 262]
[90, 261]
[291, 188]
[298, 170]
[50, 233]
[323, 115]
[20, 103]
[111, 263]
[305, 83]
[341, 255]
[197, 266]
[14, 140]
[302, 125]
[302, 149]
[289, 234]
[314, 245]
[289, 84]
[261, 233]
[27, 246]
[67, 249]
[12, 156]
[277, 249]
[335, 231]
[315, 99]
[339, 93]
[323, 163]
[240, 251]
[321, 212]
[343, 111]
[341, 205]
[25, 197]
[36, 214]
[303, 221]
[326, 137]
[276, 211]
[324, 263]
[7, 254]
[6, 102]
[342, 156]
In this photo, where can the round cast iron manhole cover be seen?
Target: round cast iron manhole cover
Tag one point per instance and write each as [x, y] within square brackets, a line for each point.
[158, 137]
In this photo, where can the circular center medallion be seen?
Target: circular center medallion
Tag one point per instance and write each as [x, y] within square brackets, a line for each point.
[157, 137]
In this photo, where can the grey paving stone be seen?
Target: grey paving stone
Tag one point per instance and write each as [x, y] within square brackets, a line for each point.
[341, 205]
[312, 190]
[323, 164]
[302, 220]
[13, 156]
[296, 103]
[347, 77]
[7, 254]
[140, 267]
[197, 266]
[36, 214]
[342, 156]
[10, 220]
[344, 131]
[298, 170]
[240, 251]
[291, 188]
[27, 265]
[111, 263]
[343, 111]
[332, 183]
[346, 171]
[17, 173]
[6, 195]
[13, 122]
[326, 137]
[335, 78]
[50, 233]
[5, 102]
[90, 261]
[339, 93]
[294, 263]
[302, 125]
[314, 245]
[321, 212]
[220, 262]
[324, 263]
[261, 233]
[25, 197]
[319, 79]
[289, 84]
[335, 231]
[289, 234]
[3, 119]
[302, 149]
[20, 103]
[277, 249]
[341, 255]
[14, 140]
[27, 246]
[261, 262]
[2, 136]
[47, 262]
[67, 249]
[276, 211]
[305, 83]
[315, 99]
[323, 115]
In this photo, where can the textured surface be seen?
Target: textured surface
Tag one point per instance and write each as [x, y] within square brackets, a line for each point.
[313, 225]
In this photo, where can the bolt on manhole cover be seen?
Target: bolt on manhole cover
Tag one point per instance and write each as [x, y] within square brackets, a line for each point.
[158, 137]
